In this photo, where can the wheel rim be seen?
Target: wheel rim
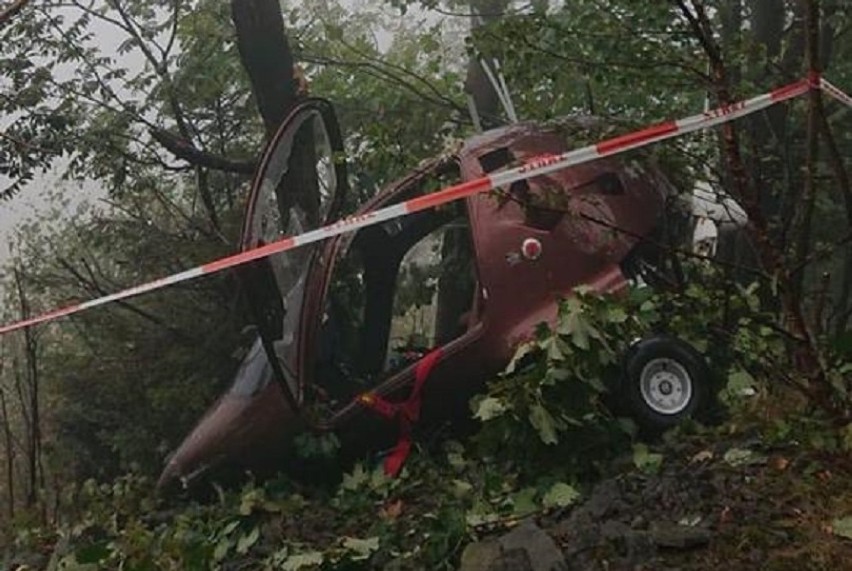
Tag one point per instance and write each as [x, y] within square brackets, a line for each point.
[666, 386]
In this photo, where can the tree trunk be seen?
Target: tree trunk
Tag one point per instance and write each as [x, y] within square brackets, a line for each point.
[807, 357]
[776, 182]
[808, 199]
[32, 381]
[10, 454]
[265, 54]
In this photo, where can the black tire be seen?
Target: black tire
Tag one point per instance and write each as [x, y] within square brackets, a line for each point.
[665, 381]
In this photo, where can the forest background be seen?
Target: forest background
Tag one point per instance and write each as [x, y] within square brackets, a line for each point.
[159, 108]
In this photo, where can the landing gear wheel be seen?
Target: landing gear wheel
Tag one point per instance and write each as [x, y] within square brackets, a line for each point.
[665, 381]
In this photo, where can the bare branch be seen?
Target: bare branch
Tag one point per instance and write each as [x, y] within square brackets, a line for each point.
[92, 284]
[381, 73]
[185, 150]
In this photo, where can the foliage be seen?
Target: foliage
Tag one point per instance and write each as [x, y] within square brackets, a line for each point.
[547, 407]
[419, 520]
[553, 405]
[578, 39]
[544, 424]
[124, 383]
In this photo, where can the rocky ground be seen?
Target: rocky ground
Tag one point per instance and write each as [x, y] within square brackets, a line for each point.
[699, 506]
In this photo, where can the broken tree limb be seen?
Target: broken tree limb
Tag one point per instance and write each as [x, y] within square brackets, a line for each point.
[184, 150]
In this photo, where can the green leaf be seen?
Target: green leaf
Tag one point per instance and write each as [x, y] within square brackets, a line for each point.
[554, 347]
[247, 540]
[229, 529]
[558, 374]
[250, 499]
[842, 527]
[596, 384]
[846, 436]
[222, 548]
[544, 423]
[560, 495]
[461, 489]
[738, 456]
[333, 32]
[739, 383]
[616, 314]
[70, 563]
[742, 457]
[455, 455]
[522, 351]
[362, 548]
[92, 553]
[480, 514]
[302, 560]
[640, 295]
[523, 502]
[576, 326]
[645, 460]
[355, 479]
[379, 480]
[490, 407]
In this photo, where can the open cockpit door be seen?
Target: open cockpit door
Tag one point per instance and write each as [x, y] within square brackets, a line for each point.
[390, 295]
[299, 186]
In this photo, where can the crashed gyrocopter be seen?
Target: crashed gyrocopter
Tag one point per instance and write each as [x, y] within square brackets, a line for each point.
[356, 332]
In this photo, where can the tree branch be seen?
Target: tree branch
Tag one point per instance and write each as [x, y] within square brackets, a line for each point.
[25, 145]
[381, 73]
[184, 126]
[91, 283]
[185, 150]
[11, 11]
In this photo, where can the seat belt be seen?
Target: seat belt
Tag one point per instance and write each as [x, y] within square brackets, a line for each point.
[408, 411]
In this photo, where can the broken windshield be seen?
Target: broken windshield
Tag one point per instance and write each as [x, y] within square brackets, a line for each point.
[294, 192]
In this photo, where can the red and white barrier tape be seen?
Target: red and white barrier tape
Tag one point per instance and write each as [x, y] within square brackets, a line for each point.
[535, 167]
[835, 92]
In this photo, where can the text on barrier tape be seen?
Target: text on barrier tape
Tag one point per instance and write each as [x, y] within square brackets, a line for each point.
[535, 167]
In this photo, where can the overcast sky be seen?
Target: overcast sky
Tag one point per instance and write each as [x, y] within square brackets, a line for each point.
[37, 200]
[34, 202]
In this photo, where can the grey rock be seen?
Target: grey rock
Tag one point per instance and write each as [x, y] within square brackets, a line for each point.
[614, 530]
[639, 522]
[540, 548]
[679, 536]
[604, 500]
[514, 560]
[640, 547]
[582, 539]
[480, 556]
[525, 548]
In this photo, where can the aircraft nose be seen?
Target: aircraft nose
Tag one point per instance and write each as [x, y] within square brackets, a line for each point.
[248, 428]
[238, 433]
[169, 480]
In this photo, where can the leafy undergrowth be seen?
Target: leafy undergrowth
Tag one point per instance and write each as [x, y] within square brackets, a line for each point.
[745, 498]
[419, 520]
[769, 489]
